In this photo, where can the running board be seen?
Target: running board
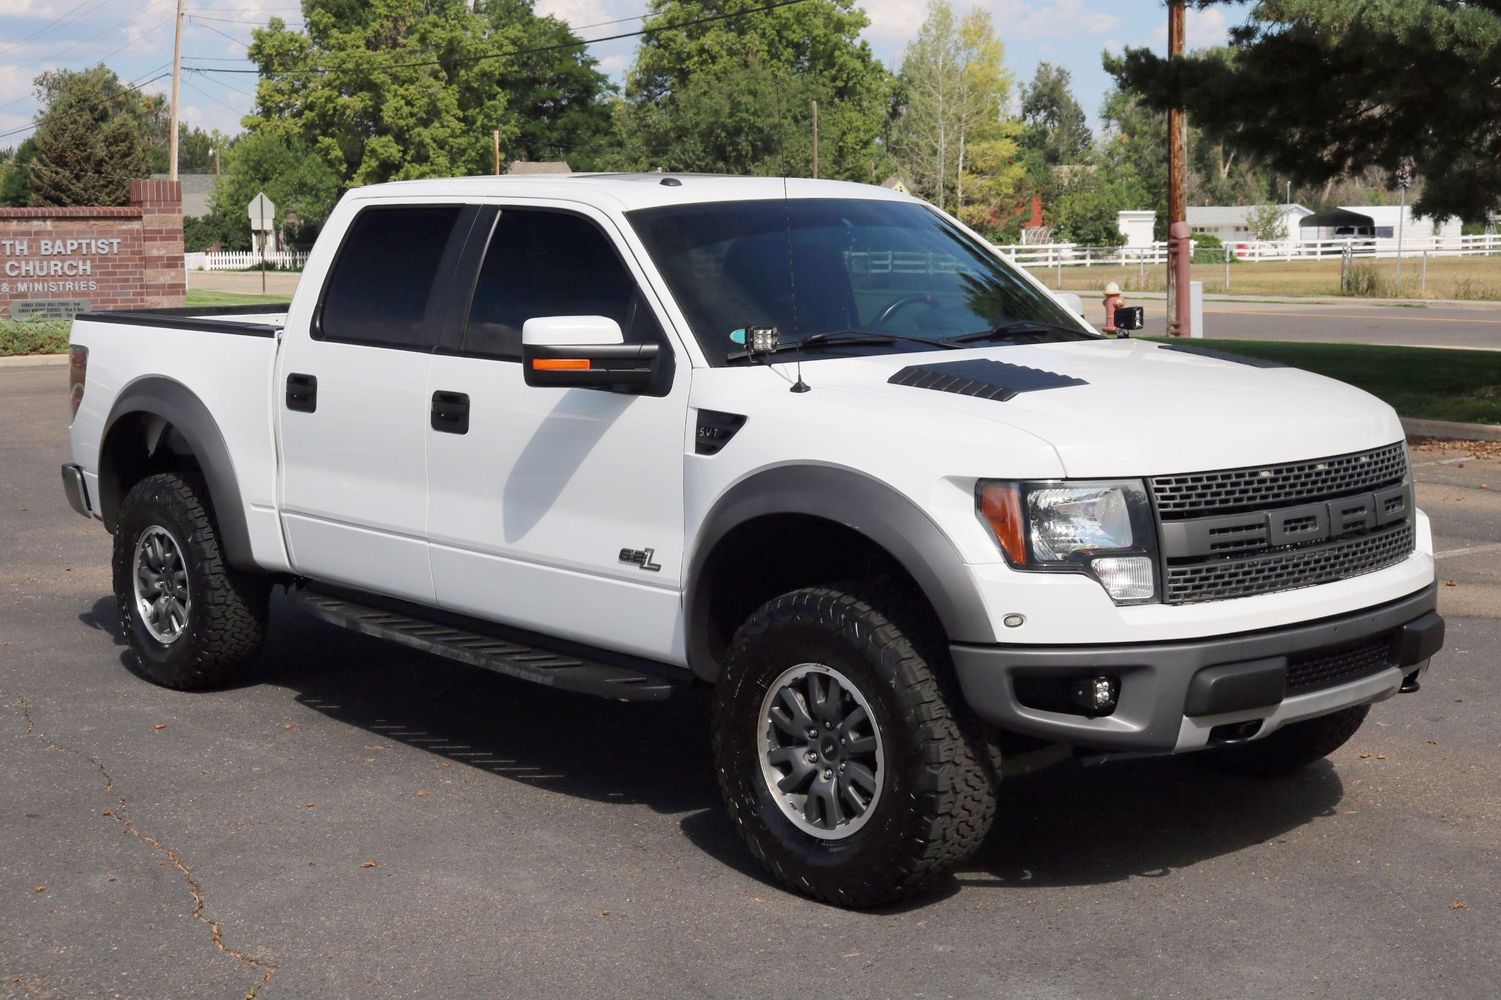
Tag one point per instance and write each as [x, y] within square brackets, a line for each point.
[528, 663]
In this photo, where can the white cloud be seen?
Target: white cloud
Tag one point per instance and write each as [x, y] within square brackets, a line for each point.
[581, 12]
[897, 21]
[29, 8]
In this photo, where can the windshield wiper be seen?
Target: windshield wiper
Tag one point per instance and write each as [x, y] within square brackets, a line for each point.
[1015, 328]
[843, 338]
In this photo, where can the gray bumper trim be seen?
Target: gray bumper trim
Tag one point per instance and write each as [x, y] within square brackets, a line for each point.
[76, 490]
[1155, 678]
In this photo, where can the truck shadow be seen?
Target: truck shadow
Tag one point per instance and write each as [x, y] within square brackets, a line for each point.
[1067, 825]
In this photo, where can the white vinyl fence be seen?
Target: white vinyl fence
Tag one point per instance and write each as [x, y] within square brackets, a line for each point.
[1075, 255]
[288, 260]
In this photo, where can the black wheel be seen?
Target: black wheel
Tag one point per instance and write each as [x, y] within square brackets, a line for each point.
[190, 619]
[844, 755]
[1292, 747]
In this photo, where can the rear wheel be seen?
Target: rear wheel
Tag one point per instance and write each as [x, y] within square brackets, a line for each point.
[191, 619]
[844, 758]
[1292, 747]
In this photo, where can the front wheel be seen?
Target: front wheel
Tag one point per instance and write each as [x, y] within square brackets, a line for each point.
[844, 757]
[191, 620]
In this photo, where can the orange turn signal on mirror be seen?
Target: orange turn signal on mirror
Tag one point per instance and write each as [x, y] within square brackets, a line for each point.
[560, 364]
[1001, 506]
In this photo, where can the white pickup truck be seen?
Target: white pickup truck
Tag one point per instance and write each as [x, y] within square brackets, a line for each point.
[812, 443]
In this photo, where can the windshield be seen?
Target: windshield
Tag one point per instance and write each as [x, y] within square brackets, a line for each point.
[833, 266]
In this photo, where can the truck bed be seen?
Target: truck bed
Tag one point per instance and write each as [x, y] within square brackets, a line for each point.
[224, 383]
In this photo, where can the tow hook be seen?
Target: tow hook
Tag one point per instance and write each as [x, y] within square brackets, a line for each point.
[1410, 683]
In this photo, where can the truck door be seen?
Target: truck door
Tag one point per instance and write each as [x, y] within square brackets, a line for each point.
[352, 399]
[555, 509]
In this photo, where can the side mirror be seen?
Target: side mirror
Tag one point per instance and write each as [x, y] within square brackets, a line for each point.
[1130, 318]
[586, 352]
[1071, 301]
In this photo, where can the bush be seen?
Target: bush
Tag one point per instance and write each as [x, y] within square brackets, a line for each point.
[1367, 282]
[33, 337]
[1208, 249]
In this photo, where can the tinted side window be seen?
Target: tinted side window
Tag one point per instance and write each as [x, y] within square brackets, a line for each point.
[550, 264]
[383, 277]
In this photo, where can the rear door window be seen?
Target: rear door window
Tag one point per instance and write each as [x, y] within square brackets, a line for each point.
[384, 275]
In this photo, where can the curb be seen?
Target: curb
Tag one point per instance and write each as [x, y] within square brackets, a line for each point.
[34, 361]
[1450, 430]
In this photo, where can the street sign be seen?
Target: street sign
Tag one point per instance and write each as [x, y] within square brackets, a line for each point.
[262, 211]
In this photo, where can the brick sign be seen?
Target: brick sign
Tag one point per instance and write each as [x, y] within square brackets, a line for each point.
[55, 262]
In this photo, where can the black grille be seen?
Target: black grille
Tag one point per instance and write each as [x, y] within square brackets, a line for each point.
[1288, 569]
[1328, 667]
[1194, 494]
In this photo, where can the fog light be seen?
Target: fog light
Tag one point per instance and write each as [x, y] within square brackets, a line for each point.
[1125, 578]
[1096, 695]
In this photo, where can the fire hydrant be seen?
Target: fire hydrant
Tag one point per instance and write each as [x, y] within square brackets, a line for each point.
[1113, 300]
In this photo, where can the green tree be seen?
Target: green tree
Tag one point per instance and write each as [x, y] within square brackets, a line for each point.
[91, 138]
[734, 95]
[1054, 121]
[951, 134]
[285, 169]
[15, 174]
[395, 89]
[1320, 89]
[1266, 222]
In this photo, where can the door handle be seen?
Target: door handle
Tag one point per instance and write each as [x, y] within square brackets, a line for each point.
[450, 412]
[302, 393]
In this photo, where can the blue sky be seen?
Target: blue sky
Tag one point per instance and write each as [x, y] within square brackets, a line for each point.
[134, 37]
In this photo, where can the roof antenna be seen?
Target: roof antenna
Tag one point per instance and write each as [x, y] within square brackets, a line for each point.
[799, 385]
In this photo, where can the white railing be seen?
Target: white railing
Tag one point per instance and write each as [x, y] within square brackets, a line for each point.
[230, 260]
[1077, 255]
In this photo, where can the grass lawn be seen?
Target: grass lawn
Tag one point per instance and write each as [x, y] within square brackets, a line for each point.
[205, 298]
[1448, 277]
[51, 336]
[1422, 382]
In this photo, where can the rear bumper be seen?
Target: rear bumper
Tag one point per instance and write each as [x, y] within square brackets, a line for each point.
[1185, 695]
[76, 490]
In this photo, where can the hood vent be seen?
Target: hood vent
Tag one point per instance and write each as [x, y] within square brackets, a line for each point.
[1209, 352]
[982, 378]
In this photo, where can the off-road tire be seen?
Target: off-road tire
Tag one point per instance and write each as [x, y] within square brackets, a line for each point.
[939, 795]
[1292, 747]
[227, 617]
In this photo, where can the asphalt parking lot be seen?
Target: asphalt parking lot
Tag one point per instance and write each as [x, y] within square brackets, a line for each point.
[357, 820]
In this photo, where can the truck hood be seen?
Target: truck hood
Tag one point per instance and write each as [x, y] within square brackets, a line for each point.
[1135, 408]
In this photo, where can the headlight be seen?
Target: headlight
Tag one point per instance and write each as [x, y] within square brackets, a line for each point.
[1104, 529]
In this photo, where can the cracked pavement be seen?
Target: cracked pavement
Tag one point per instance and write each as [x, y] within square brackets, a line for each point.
[526, 843]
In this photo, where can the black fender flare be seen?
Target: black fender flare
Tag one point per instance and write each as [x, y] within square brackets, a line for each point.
[859, 502]
[175, 403]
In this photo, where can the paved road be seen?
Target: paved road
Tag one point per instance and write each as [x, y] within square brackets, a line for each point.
[524, 843]
[1475, 327]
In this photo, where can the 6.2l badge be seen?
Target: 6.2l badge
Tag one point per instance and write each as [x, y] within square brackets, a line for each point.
[641, 557]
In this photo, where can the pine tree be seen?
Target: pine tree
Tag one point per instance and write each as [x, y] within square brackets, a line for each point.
[90, 140]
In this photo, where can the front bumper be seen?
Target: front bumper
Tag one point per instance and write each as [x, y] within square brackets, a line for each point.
[1186, 695]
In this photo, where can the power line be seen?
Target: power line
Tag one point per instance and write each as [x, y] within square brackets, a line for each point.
[72, 15]
[235, 20]
[222, 34]
[561, 46]
[224, 104]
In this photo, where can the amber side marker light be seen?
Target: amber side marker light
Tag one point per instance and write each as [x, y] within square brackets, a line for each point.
[1001, 506]
[560, 364]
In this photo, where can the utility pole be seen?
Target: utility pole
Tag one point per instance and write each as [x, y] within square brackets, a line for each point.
[815, 139]
[1177, 141]
[176, 84]
[495, 149]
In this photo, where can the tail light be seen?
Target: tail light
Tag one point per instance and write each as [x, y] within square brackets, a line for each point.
[78, 373]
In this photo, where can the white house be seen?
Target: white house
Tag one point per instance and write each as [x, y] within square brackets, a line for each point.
[1376, 221]
[1136, 226]
[1228, 222]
